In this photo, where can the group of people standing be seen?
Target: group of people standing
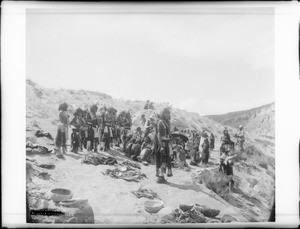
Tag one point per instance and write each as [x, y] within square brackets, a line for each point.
[92, 130]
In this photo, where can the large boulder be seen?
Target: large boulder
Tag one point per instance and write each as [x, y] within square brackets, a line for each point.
[81, 214]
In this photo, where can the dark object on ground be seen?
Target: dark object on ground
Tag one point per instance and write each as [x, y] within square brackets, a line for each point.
[147, 193]
[208, 212]
[41, 133]
[36, 149]
[190, 216]
[46, 166]
[185, 207]
[126, 173]
[94, 160]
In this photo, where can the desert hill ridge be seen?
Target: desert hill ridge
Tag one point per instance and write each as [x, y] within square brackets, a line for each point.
[262, 135]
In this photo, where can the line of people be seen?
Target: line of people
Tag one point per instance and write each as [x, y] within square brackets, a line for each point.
[92, 130]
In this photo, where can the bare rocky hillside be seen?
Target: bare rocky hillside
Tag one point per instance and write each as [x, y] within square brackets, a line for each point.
[258, 123]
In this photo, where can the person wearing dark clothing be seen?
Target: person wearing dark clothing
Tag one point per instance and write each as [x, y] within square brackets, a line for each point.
[205, 150]
[75, 140]
[226, 142]
[76, 136]
[92, 118]
[195, 157]
[107, 132]
[90, 137]
[163, 154]
[211, 141]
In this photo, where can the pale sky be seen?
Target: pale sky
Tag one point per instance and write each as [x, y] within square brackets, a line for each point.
[205, 63]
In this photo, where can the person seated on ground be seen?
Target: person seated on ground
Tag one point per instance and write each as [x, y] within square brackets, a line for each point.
[146, 150]
[136, 146]
[75, 140]
[180, 155]
[205, 149]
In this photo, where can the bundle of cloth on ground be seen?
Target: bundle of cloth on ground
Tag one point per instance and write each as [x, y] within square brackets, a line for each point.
[41, 133]
[126, 173]
[99, 160]
[147, 193]
[132, 164]
[36, 149]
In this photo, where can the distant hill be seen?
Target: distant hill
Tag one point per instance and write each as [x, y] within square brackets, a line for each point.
[259, 122]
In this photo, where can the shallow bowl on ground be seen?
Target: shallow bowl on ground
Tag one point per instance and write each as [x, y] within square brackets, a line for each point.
[60, 194]
[153, 206]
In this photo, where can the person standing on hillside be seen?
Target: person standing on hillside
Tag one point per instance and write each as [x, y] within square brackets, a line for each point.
[211, 141]
[62, 130]
[241, 138]
[92, 118]
[195, 154]
[205, 148]
[163, 152]
[226, 142]
[76, 137]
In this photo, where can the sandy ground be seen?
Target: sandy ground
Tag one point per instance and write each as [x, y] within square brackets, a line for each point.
[112, 200]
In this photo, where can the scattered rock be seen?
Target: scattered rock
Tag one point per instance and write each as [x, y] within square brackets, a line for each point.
[208, 212]
[46, 166]
[41, 133]
[228, 219]
[31, 160]
[32, 149]
[44, 175]
[185, 207]
[166, 213]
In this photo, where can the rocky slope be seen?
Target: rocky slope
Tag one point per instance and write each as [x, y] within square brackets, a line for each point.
[254, 170]
[258, 123]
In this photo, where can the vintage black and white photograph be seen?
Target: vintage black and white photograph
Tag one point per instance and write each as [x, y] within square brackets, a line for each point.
[138, 116]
